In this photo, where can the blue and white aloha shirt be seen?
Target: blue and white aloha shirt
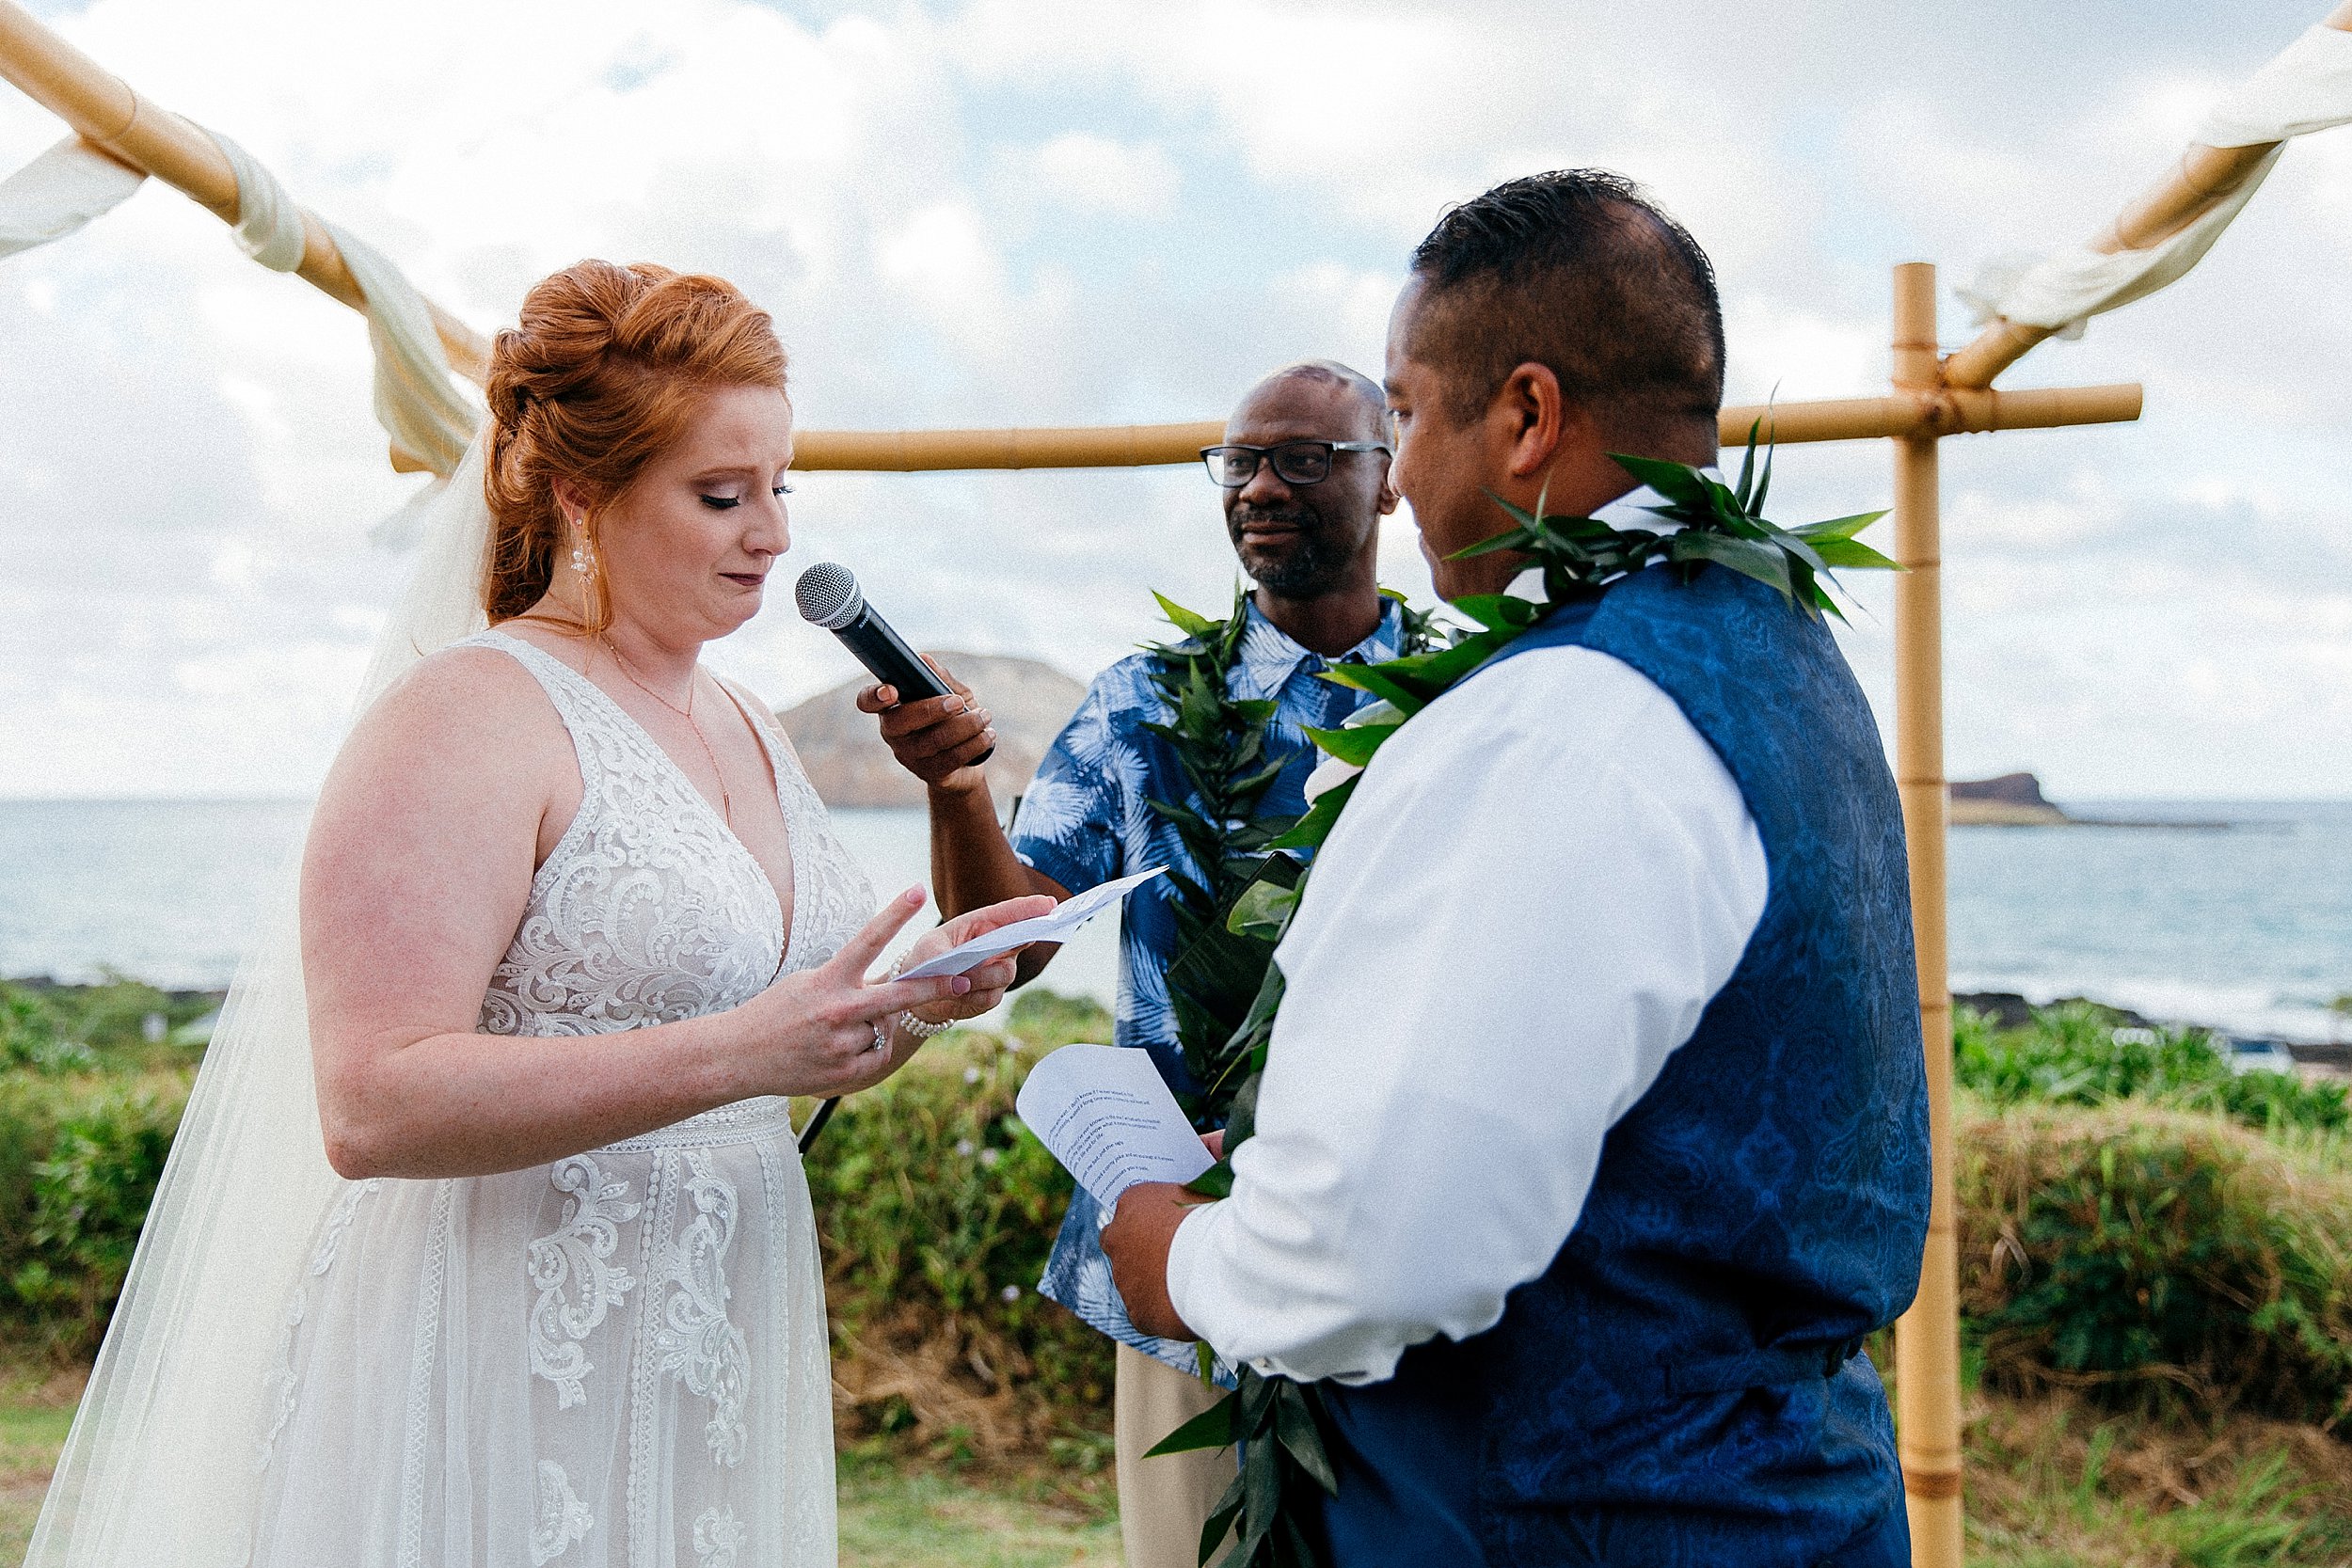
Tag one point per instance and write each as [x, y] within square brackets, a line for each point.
[1087, 819]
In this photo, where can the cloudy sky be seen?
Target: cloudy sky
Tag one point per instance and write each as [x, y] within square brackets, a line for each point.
[1053, 211]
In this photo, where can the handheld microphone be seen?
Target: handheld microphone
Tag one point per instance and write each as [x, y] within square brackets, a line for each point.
[829, 596]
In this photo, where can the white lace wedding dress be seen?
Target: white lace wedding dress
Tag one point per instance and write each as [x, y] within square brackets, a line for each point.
[618, 1360]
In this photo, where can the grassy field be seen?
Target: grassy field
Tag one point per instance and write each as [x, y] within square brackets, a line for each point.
[892, 1516]
[2053, 1483]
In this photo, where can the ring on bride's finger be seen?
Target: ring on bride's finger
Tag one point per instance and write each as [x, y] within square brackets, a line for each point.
[881, 1037]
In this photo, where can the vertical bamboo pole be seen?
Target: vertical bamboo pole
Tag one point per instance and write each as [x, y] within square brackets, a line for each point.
[1927, 1340]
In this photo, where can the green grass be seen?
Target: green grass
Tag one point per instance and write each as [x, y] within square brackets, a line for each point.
[2056, 1482]
[892, 1516]
[896, 1517]
[34, 1417]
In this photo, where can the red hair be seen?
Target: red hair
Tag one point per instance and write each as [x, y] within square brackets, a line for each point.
[600, 375]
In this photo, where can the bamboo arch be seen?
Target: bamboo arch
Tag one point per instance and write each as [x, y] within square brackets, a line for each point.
[1931, 396]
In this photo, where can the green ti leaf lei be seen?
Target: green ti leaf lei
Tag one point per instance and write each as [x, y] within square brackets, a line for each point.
[1282, 1425]
[1225, 750]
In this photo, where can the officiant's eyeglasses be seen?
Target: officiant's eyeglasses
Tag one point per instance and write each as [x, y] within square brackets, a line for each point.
[1294, 462]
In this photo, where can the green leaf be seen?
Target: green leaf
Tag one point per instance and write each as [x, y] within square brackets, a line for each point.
[1261, 912]
[1214, 1428]
[1241, 1121]
[1354, 744]
[1217, 1182]
[1498, 612]
[1221, 1517]
[1764, 563]
[1518, 539]
[1380, 681]
[1854, 553]
[1320, 819]
[1183, 620]
[1747, 463]
[1838, 528]
[1677, 482]
[1294, 1426]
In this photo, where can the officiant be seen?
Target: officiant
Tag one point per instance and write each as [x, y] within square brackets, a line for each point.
[1592, 1138]
[1303, 478]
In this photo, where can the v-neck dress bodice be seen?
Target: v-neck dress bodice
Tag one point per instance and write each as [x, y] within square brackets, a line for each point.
[649, 910]
[618, 1360]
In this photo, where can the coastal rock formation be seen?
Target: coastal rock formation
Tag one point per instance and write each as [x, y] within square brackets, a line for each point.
[2012, 800]
[851, 767]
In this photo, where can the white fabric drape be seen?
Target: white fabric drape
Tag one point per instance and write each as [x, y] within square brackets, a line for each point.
[417, 401]
[417, 398]
[2306, 87]
[59, 192]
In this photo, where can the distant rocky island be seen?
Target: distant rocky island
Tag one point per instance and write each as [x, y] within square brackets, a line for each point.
[2012, 800]
[851, 767]
[2015, 801]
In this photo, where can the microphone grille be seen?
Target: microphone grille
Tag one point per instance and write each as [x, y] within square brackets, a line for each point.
[828, 594]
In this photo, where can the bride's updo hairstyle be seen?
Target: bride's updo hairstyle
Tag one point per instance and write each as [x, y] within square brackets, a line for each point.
[599, 375]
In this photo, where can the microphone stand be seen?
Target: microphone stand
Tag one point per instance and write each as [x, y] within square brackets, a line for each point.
[817, 1122]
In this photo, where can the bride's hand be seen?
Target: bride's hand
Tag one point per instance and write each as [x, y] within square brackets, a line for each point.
[827, 1031]
[992, 980]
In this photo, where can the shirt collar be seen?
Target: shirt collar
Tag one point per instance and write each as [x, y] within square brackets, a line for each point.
[1269, 656]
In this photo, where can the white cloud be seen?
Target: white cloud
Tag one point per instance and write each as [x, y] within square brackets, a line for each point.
[1044, 212]
[1094, 172]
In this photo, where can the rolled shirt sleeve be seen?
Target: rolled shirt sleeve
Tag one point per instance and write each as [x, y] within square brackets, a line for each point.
[1538, 887]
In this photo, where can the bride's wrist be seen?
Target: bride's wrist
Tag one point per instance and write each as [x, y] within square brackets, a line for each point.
[912, 1020]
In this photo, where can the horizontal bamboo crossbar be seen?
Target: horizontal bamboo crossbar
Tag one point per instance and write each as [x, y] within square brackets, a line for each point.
[105, 112]
[1123, 446]
[1924, 412]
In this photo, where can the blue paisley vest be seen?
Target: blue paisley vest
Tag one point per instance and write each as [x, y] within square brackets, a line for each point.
[1683, 1385]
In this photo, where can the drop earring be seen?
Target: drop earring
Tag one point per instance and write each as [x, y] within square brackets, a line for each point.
[582, 559]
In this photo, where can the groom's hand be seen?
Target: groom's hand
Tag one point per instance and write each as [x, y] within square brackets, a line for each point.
[1137, 1242]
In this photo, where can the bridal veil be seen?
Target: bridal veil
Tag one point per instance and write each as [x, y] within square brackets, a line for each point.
[163, 1465]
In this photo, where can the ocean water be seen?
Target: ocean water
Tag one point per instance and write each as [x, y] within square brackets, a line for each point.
[174, 892]
[2249, 929]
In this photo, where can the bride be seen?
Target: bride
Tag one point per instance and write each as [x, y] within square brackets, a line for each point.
[572, 926]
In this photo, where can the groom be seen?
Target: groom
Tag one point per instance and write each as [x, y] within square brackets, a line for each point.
[1593, 1138]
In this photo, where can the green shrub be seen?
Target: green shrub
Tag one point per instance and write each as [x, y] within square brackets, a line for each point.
[79, 1160]
[2079, 1054]
[2161, 1258]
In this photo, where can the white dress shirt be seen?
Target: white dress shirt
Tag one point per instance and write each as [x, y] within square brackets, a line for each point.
[1540, 884]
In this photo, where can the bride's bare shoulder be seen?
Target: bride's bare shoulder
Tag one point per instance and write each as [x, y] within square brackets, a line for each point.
[473, 711]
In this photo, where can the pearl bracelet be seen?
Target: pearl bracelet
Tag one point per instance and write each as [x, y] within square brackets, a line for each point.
[922, 1029]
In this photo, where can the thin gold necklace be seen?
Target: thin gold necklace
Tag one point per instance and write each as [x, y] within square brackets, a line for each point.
[726, 801]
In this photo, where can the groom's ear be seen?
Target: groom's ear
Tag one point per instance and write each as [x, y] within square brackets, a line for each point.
[1531, 424]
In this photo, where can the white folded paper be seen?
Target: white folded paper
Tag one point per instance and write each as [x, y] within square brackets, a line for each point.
[1061, 926]
[1105, 1113]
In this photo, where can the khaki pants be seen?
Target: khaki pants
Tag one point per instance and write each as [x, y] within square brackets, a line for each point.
[1162, 1502]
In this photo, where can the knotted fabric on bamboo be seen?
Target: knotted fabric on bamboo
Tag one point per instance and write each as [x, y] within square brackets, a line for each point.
[2306, 87]
[417, 402]
[59, 192]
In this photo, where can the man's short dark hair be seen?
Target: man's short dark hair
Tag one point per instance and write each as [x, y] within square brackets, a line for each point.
[1580, 271]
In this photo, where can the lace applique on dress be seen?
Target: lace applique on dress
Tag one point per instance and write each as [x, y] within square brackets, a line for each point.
[693, 1341]
[718, 1536]
[578, 1282]
[282, 1379]
[648, 910]
[563, 1517]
